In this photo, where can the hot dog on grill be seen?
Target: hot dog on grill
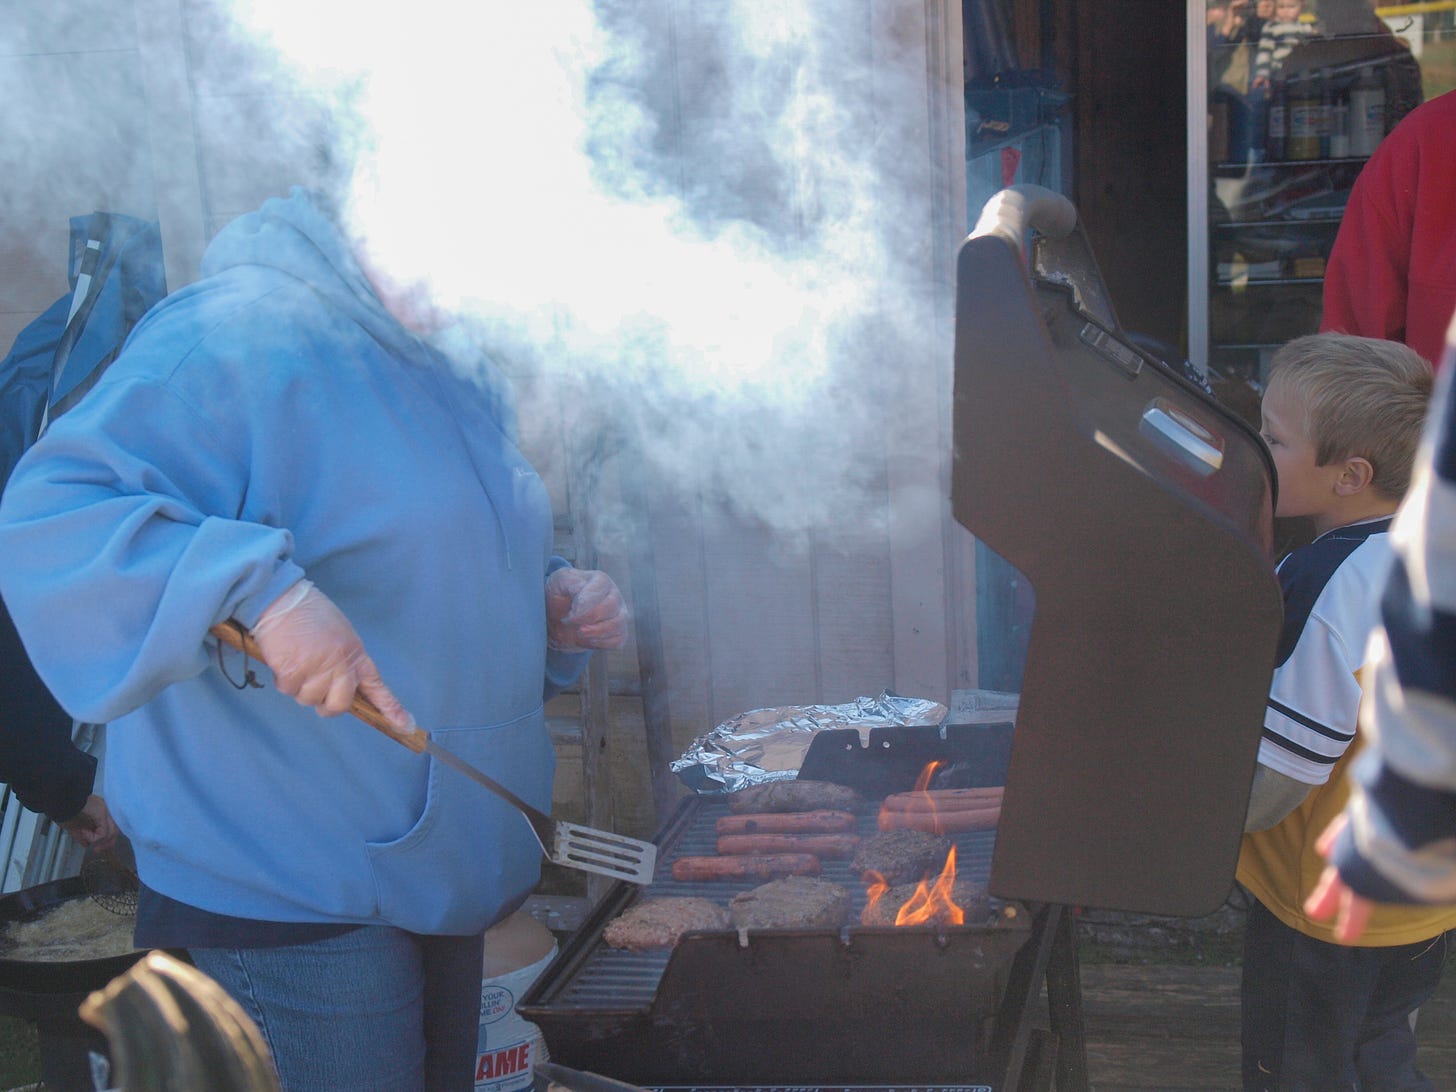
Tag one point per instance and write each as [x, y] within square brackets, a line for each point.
[749, 866]
[944, 800]
[788, 822]
[821, 845]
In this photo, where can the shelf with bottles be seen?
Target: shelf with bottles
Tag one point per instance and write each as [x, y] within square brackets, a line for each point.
[1326, 114]
[1330, 111]
[1309, 201]
[1255, 314]
[1277, 223]
[1287, 248]
[1253, 278]
[1230, 169]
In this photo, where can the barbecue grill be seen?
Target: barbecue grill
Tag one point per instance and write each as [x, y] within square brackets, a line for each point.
[1141, 511]
[849, 1006]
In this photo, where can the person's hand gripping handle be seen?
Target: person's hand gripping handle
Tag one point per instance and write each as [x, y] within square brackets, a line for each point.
[319, 660]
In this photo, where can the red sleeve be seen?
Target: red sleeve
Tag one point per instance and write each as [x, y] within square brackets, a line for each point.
[1365, 280]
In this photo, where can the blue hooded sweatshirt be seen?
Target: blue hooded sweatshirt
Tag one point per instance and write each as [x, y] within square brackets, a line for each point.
[268, 423]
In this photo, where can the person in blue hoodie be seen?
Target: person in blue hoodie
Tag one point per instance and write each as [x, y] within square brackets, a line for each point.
[282, 444]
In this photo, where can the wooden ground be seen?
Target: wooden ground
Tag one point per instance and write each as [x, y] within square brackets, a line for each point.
[1175, 1027]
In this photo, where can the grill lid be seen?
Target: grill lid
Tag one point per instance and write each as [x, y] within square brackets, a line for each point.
[1141, 511]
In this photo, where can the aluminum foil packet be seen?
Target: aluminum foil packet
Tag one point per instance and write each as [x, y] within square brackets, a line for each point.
[769, 744]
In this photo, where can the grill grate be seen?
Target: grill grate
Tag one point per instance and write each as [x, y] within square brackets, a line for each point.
[858, 1007]
[611, 976]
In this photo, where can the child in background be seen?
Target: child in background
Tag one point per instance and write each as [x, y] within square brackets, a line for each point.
[1278, 38]
[1342, 416]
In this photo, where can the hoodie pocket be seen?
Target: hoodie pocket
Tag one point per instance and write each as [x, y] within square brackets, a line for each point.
[470, 854]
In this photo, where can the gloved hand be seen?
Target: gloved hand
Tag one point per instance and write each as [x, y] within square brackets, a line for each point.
[317, 658]
[584, 610]
[93, 826]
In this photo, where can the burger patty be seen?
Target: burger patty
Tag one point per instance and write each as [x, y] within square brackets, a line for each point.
[794, 902]
[794, 796]
[901, 856]
[660, 922]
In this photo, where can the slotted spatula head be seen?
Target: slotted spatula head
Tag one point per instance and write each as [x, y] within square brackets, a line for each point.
[601, 851]
[567, 844]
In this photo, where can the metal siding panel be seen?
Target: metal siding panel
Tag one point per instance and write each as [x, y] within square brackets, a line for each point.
[760, 622]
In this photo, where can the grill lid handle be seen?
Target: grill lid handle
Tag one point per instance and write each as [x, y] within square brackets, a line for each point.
[1014, 211]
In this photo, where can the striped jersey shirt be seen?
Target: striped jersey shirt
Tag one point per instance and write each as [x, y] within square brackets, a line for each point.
[1330, 604]
[1329, 610]
[1401, 845]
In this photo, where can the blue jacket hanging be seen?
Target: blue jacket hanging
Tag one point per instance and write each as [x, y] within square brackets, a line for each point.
[116, 274]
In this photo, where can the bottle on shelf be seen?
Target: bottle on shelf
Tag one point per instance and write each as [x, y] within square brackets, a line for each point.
[1340, 124]
[1325, 119]
[1304, 109]
[1367, 112]
[1278, 131]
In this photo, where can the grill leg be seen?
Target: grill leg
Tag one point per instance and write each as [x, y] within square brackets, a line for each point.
[1050, 957]
[1064, 1003]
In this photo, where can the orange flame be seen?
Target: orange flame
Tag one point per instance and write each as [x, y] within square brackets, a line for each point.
[934, 903]
[930, 902]
[923, 781]
[875, 891]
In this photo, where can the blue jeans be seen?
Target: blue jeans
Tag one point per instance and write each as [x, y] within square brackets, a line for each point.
[374, 1009]
[1319, 1016]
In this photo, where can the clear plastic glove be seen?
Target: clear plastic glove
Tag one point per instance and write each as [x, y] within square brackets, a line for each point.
[317, 658]
[92, 826]
[584, 611]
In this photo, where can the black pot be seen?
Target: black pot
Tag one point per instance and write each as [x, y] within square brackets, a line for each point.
[72, 976]
[48, 994]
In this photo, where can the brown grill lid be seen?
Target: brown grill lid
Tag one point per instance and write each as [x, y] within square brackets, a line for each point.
[1141, 512]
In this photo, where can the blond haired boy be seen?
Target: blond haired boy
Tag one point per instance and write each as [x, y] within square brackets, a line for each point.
[1342, 416]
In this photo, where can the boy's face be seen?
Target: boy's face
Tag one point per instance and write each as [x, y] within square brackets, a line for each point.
[1304, 488]
[1287, 11]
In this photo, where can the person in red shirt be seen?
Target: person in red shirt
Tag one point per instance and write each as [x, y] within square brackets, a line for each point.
[1392, 272]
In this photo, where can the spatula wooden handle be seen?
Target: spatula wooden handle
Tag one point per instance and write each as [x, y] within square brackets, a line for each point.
[414, 737]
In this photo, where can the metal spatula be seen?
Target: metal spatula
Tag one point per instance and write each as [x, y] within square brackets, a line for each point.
[566, 844]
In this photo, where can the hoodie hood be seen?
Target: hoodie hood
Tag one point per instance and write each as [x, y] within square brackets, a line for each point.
[300, 237]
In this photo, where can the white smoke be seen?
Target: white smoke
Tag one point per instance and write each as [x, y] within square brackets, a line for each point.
[680, 213]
